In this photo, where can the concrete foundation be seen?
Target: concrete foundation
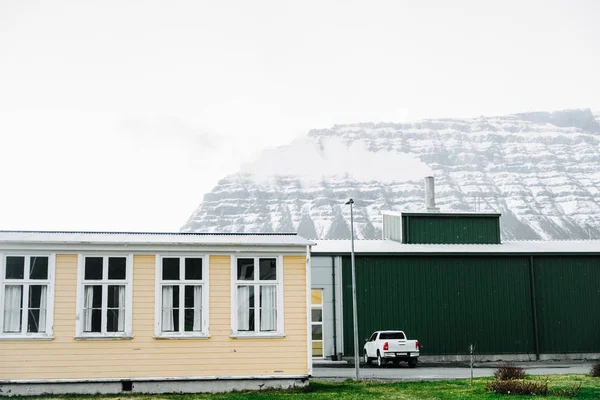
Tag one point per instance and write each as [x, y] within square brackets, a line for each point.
[570, 356]
[477, 358]
[465, 358]
[508, 357]
[41, 388]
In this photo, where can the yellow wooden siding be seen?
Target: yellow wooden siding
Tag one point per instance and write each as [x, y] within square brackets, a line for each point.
[143, 356]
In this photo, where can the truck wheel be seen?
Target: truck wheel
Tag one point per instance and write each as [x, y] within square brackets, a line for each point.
[380, 360]
[367, 359]
[412, 363]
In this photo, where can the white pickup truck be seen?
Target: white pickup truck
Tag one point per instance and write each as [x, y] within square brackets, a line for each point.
[384, 346]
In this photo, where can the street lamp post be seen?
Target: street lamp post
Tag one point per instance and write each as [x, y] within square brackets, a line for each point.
[354, 310]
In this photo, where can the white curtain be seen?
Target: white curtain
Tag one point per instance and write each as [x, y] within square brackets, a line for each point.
[268, 309]
[121, 320]
[12, 308]
[43, 305]
[197, 308]
[243, 299]
[167, 309]
[88, 301]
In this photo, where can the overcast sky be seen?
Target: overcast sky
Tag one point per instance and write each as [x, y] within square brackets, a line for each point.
[120, 115]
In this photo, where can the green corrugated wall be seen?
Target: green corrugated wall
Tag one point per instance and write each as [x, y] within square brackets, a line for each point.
[568, 304]
[443, 229]
[449, 302]
[446, 303]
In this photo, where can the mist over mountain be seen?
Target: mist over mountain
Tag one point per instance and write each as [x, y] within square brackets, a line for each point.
[541, 170]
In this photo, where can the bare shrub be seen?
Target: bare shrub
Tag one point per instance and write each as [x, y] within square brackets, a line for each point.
[509, 372]
[595, 372]
[518, 386]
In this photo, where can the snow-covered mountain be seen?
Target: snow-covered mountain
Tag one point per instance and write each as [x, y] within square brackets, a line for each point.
[540, 170]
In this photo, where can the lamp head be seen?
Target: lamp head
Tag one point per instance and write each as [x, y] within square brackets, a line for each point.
[351, 201]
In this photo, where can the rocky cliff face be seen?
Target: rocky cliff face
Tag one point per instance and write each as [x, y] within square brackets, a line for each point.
[540, 170]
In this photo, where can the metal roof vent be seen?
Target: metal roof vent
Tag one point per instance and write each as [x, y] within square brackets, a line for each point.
[430, 195]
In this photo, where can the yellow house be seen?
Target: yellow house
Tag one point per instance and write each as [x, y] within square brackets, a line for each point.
[93, 312]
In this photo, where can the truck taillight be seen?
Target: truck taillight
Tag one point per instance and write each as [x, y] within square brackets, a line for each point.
[417, 344]
[386, 346]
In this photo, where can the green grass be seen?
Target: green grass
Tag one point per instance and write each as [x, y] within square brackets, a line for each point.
[348, 390]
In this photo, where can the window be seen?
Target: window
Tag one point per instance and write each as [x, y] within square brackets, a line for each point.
[257, 307]
[104, 296]
[392, 335]
[317, 322]
[26, 295]
[182, 297]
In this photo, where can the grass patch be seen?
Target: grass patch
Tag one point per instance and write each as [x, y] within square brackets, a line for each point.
[559, 387]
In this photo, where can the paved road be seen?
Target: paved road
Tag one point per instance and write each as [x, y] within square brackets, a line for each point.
[403, 373]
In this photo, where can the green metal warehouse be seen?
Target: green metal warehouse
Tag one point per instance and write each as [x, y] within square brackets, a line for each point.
[448, 281]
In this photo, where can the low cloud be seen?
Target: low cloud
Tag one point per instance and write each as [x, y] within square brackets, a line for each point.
[313, 161]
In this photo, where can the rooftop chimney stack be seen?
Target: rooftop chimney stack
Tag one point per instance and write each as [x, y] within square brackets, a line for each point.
[430, 195]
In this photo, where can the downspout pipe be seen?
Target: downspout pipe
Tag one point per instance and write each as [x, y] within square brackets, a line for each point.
[335, 353]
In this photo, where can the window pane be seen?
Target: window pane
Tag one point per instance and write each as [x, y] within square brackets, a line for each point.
[33, 322]
[93, 296]
[15, 267]
[170, 308]
[189, 320]
[317, 349]
[93, 268]
[115, 320]
[193, 268]
[317, 316]
[176, 296]
[96, 321]
[193, 308]
[189, 297]
[245, 300]
[176, 320]
[116, 296]
[268, 308]
[392, 335]
[317, 332]
[117, 268]
[35, 296]
[168, 320]
[316, 296]
[245, 269]
[251, 320]
[38, 268]
[92, 308]
[37, 308]
[13, 303]
[268, 269]
[170, 269]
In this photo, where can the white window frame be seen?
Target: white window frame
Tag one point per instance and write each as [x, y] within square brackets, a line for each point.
[159, 283]
[279, 333]
[319, 323]
[26, 282]
[128, 283]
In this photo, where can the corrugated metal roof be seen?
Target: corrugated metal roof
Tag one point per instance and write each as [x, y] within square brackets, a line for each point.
[158, 238]
[390, 246]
